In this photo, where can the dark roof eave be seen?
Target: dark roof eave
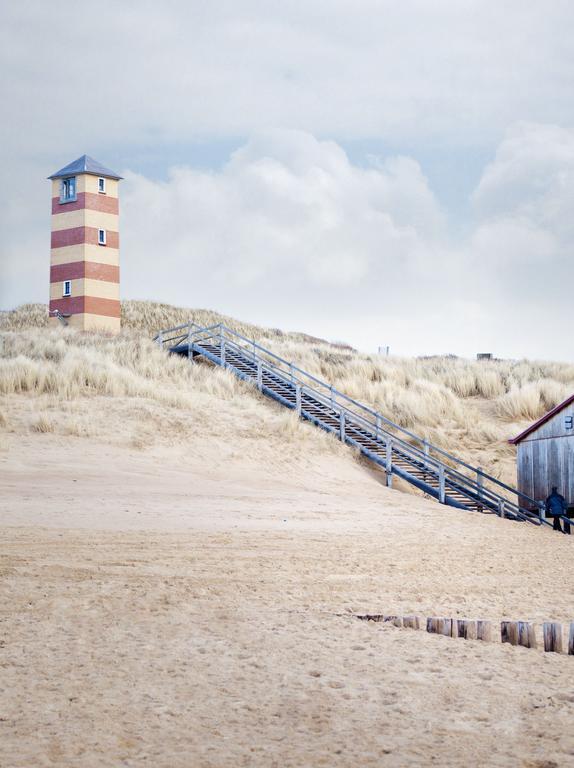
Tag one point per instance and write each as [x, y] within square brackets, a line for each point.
[85, 173]
[542, 420]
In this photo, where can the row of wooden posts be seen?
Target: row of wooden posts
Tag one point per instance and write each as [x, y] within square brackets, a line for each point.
[513, 632]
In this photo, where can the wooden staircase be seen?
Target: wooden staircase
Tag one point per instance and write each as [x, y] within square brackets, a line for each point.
[435, 472]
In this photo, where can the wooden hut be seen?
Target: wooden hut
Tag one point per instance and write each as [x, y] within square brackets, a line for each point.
[545, 454]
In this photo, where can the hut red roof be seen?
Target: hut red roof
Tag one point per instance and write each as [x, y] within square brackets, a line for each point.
[542, 420]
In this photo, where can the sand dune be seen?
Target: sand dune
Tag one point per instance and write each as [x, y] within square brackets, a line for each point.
[462, 405]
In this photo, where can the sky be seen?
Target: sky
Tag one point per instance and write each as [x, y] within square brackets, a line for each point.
[373, 172]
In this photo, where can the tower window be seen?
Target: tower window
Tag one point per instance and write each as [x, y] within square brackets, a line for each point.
[68, 190]
[101, 236]
[102, 186]
[67, 288]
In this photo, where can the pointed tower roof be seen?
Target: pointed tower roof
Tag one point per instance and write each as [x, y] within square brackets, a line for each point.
[85, 164]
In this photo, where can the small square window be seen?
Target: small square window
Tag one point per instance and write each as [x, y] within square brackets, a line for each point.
[101, 236]
[569, 422]
[67, 288]
[102, 186]
[68, 190]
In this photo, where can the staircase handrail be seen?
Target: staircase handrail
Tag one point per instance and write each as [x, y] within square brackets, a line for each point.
[160, 338]
[377, 414]
[433, 464]
[220, 330]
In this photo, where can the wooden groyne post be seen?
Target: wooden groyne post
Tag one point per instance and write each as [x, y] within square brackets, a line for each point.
[439, 626]
[509, 632]
[552, 631]
[466, 629]
[518, 633]
[484, 631]
[526, 634]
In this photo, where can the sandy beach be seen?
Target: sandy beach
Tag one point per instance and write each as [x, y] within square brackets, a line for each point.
[287, 384]
[160, 608]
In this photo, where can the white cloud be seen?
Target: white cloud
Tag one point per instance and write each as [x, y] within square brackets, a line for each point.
[520, 253]
[524, 201]
[82, 74]
[288, 213]
[531, 177]
[290, 233]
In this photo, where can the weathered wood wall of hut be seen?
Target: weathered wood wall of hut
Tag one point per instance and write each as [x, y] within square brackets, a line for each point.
[546, 458]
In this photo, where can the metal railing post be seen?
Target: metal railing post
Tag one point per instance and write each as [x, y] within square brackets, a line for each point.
[298, 399]
[377, 425]
[254, 352]
[441, 485]
[189, 350]
[389, 462]
[332, 398]
[541, 511]
[222, 352]
[342, 426]
[260, 375]
[426, 450]
[291, 371]
[501, 508]
[479, 485]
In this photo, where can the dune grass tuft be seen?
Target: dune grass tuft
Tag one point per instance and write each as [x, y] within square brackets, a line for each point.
[43, 424]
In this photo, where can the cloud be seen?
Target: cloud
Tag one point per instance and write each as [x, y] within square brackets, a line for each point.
[119, 72]
[519, 256]
[523, 203]
[531, 178]
[293, 234]
[289, 218]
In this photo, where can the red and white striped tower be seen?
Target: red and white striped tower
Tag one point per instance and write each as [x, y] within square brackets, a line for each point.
[84, 255]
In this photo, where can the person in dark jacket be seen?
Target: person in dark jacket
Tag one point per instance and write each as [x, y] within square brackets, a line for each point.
[556, 505]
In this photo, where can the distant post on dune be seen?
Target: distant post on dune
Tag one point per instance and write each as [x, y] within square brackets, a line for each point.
[84, 249]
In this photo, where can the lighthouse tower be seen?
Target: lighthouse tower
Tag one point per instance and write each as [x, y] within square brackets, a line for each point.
[84, 255]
